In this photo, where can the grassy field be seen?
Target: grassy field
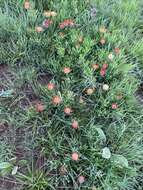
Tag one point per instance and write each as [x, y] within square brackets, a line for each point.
[70, 95]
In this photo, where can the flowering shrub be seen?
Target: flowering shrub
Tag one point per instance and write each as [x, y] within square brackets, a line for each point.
[83, 67]
[85, 101]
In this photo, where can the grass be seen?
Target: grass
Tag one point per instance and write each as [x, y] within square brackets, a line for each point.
[107, 128]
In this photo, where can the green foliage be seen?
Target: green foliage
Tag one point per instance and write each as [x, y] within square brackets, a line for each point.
[107, 139]
[5, 168]
[34, 180]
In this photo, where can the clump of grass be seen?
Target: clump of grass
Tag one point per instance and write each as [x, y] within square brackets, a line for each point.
[72, 63]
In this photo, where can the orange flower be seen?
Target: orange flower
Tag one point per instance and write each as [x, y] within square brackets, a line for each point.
[56, 100]
[75, 156]
[66, 23]
[67, 70]
[47, 23]
[67, 111]
[102, 41]
[39, 29]
[27, 5]
[51, 86]
[90, 91]
[81, 179]
[75, 124]
[49, 13]
[117, 50]
[95, 66]
[39, 107]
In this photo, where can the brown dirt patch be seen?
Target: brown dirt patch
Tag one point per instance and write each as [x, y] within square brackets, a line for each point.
[27, 95]
[19, 139]
[27, 92]
[3, 69]
[139, 93]
[5, 72]
[6, 76]
[9, 184]
[44, 78]
[3, 127]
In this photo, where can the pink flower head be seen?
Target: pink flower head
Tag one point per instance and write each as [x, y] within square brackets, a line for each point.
[56, 100]
[66, 23]
[114, 106]
[117, 50]
[47, 23]
[27, 5]
[105, 66]
[75, 124]
[39, 29]
[103, 72]
[50, 86]
[75, 156]
[67, 70]
[67, 111]
[81, 179]
[39, 107]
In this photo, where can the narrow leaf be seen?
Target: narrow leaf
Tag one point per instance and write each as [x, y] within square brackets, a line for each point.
[6, 93]
[5, 165]
[125, 68]
[101, 134]
[120, 161]
[14, 171]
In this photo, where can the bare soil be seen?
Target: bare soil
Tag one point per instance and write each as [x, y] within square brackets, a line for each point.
[21, 139]
[139, 93]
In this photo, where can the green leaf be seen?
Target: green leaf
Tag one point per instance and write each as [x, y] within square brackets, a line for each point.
[125, 68]
[61, 51]
[5, 168]
[101, 134]
[5, 165]
[5, 172]
[120, 161]
[106, 153]
[23, 162]
[6, 93]
[14, 171]
[12, 160]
